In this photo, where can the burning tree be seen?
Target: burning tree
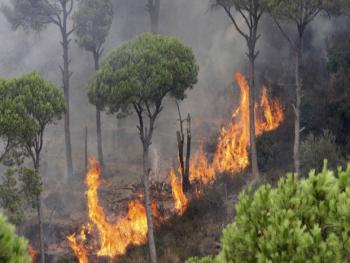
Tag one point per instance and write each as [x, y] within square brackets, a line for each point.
[138, 76]
[250, 12]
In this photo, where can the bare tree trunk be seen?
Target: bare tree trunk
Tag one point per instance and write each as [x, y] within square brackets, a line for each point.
[180, 150]
[41, 230]
[86, 150]
[66, 74]
[186, 178]
[298, 85]
[253, 152]
[146, 171]
[98, 120]
[153, 9]
[99, 139]
[39, 211]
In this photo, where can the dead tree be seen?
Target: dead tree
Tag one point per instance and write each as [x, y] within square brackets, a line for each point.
[184, 162]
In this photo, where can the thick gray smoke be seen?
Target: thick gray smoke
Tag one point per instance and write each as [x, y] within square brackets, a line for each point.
[220, 51]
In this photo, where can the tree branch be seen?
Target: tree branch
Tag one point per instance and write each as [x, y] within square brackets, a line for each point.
[283, 32]
[227, 10]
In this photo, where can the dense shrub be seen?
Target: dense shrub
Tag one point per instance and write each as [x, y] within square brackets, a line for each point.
[13, 249]
[314, 150]
[298, 221]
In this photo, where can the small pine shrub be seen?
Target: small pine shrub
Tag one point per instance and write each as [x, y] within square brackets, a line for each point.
[298, 221]
[13, 249]
[313, 150]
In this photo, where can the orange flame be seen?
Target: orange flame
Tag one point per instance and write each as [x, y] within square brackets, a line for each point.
[272, 114]
[78, 246]
[200, 169]
[179, 196]
[232, 149]
[231, 155]
[32, 252]
[113, 238]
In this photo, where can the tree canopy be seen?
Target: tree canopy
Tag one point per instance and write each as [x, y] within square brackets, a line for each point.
[27, 105]
[36, 14]
[143, 71]
[92, 22]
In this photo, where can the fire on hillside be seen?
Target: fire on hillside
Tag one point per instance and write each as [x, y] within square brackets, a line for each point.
[131, 229]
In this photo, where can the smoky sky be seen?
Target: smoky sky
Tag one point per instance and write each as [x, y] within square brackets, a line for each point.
[219, 50]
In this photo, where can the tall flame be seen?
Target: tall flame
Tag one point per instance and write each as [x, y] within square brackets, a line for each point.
[78, 247]
[113, 238]
[179, 196]
[231, 155]
[232, 149]
[200, 169]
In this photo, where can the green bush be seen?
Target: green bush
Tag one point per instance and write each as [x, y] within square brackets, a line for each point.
[13, 249]
[298, 221]
[314, 150]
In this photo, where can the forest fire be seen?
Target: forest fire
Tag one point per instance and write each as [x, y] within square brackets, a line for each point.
[231, 155]
[113, 238]
[78, 246]
[180, 199]
[232, 149]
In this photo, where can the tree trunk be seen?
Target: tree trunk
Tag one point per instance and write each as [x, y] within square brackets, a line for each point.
[298, 85]
[146, 171]
[98, 120]
[186, 178]
[41, 230]
[40, 214]
[154, 7]
[253, 153]
[86, 150]
[180, 150]
[66, 76]
[99, 139]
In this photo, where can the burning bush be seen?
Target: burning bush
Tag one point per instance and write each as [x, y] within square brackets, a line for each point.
[298, 221]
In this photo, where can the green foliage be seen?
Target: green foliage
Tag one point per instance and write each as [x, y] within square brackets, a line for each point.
[13, 249]
[19, 187]
[13, 122]
[313, 150]
[143, 71]
[27, 105]
[202, 260]
[299, 11]
[298, 221]
[10, 197]
[29, 14]
[93, 21]
[31, 185]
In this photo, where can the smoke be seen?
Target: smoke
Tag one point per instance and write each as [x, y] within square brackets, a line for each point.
[219, 49]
